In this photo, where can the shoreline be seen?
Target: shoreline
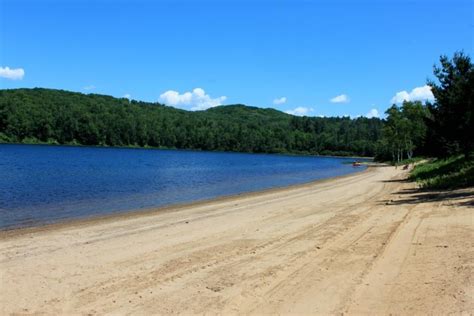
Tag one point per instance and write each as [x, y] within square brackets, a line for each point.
[184, 149]
[365, 243]
[155, 211]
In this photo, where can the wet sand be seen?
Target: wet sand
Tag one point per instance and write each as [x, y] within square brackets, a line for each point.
[364, 243]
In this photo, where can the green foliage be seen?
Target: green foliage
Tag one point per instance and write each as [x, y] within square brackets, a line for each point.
[441, 129]
[449, 173]
[56, 116]
[452, 120]
[404, 131]
[408, 161]
[4, 138]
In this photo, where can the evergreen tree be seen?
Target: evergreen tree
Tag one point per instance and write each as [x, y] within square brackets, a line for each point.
[452, 120]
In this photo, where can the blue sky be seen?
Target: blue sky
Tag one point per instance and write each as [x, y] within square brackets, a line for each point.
[295, 56]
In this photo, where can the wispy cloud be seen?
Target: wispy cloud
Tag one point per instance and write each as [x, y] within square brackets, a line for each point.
[195, 100]
[88, 88]
[127, 96]
[418, 94]
[278, 101]
[300, 111]
[12, 74]
[343, 98]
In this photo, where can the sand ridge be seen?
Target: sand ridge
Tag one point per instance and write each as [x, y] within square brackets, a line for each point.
[366, 243]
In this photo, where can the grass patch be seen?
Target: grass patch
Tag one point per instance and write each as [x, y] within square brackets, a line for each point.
[408, 161]
[449, 173]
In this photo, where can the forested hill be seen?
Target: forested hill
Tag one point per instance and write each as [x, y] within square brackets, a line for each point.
[62, 117]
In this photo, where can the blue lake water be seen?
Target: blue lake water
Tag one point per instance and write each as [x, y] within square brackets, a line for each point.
[47, 184]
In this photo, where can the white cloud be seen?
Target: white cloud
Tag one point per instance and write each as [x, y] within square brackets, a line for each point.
[197, 99]
[90, 87]
[12, 74]
[127, 96]
[373, 113]
[300, 111]
[418, 94]
[400, 97]
[422, 93]
[279, 100]
[340, 99]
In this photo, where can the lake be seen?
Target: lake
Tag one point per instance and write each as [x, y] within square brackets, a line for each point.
[47, 184]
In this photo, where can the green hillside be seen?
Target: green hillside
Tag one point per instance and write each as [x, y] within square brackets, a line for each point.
[62, 117]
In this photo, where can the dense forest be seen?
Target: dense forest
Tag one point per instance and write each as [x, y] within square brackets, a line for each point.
[440, 129]
[62, 117]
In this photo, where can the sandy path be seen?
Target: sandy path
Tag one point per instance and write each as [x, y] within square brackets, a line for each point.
[359, 244]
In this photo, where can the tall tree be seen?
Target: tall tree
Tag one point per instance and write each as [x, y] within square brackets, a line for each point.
[414, 117]
[404, 130]
[392, 133]
[452, 122]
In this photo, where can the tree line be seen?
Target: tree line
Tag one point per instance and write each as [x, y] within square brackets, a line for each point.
[438, 129]
[442, 128]
[62, 117]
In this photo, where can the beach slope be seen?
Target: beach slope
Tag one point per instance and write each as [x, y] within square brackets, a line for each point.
[365, 243]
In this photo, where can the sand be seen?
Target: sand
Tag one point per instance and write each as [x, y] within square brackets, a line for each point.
[365, 243]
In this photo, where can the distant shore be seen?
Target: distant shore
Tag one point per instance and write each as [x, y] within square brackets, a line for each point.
[358, 244]
[184, 149]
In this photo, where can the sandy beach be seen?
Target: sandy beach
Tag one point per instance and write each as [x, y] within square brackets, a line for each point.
[367, 243]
